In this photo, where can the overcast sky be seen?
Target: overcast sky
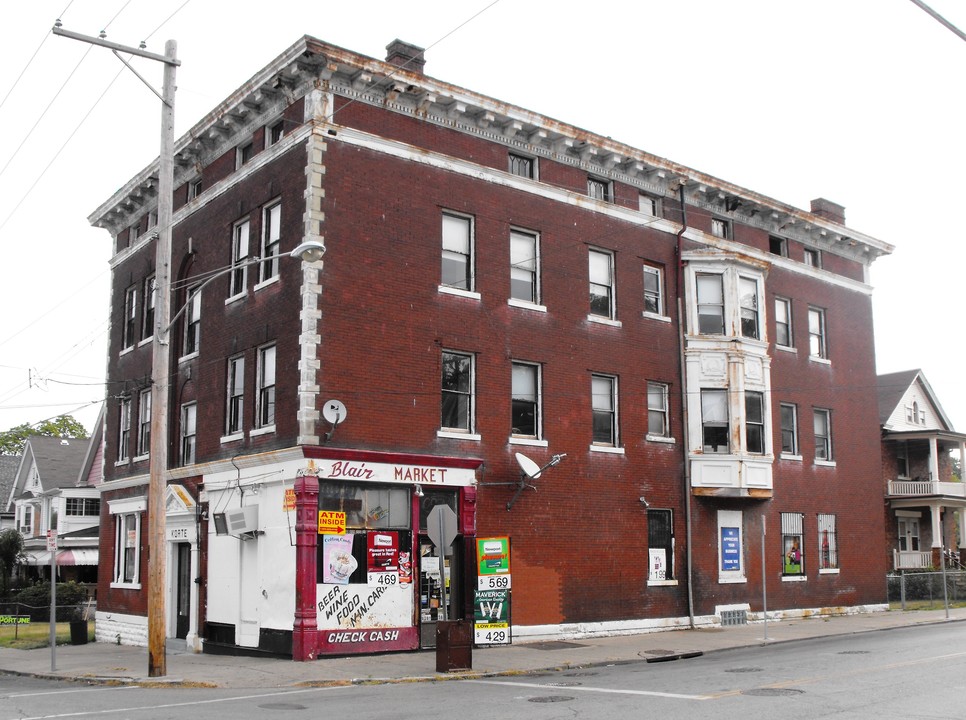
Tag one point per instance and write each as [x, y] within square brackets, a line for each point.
[857, 101]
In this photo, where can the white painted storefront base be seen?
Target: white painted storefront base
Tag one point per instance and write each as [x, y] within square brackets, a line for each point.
[120, 629]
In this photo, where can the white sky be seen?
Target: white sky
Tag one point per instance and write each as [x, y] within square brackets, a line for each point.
[857, 101]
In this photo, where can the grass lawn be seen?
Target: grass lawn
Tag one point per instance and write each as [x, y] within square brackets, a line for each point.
[37, 635]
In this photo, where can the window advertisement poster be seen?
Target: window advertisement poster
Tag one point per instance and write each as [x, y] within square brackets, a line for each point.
[491, 617]
[493, 563]
[337, 560]
[657, 564]
[730, 550]
[382, 554]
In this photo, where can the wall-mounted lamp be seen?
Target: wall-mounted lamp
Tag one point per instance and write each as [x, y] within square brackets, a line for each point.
[644, 502]
[418, 491]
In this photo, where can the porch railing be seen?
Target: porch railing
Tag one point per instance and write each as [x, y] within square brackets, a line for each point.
[922, 488]
[911, 559]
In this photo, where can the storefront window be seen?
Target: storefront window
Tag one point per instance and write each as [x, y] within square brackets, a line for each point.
[367, 507]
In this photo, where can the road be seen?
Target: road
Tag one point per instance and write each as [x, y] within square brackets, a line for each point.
[901, 673]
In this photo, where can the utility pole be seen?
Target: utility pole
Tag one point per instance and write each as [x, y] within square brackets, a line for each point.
[157, 561]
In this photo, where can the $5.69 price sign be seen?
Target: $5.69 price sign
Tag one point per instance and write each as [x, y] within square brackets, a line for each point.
[493, 582]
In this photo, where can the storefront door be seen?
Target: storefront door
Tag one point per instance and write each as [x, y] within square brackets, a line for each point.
[183, 572]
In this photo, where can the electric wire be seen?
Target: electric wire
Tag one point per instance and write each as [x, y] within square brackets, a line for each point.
[30, 61]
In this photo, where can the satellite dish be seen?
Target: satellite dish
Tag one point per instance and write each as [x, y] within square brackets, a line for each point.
[334, 412]
[529, 468]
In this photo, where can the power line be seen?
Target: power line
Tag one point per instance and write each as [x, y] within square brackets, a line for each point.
[30, 61]
[940, 19]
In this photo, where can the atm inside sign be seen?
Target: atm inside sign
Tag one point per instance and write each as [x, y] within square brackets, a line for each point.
[331, 523]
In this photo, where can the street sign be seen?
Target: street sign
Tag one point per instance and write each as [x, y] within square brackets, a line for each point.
[51, 540]
[441, 527]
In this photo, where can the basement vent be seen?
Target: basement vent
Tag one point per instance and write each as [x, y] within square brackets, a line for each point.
[730, 618]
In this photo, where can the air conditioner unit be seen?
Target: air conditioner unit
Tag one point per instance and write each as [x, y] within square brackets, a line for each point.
[239, 521]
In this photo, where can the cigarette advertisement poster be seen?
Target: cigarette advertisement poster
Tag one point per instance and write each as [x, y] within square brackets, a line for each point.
[493, 555]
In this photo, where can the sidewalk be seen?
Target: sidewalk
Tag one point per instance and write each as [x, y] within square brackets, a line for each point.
[105, 663]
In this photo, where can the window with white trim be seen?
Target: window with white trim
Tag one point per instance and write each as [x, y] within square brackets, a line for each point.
[266, 387]
[600, 189]
[525, 400]
[144, 422]
[812, 257]
[192, 322]
[194, 188]
[243, 154]
[238, 279]
[649, 204]
[823, 434]
[130, 317]
[657, 410]
[754, 422]
[721, 228]
[793, 546]
[602, 284]
[124, 430]
[714, 421]
[457, 387]
[127, 542]
[603, 389]
[524, 266]
[817, 343]
[189, 432]
[271, 241]
[828, 544]
[82, 507]
[147, 307]
[523, 166]
[783, 322]
[660, 545]
[789, 428]
[711, 310]
[235, 410]
[274, 132]
[653, 290]
[748, 307]
[457, 258]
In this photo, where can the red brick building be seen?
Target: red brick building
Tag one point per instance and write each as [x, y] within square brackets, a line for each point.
[495, 282]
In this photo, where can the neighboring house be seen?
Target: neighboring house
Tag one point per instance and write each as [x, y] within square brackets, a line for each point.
[921, 492]
[496, 283]
[56, 488]
[8, 473]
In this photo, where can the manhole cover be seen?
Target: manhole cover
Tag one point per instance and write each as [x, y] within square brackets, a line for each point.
[554, 645]
[772, 692]
[743, 670]
[282, 706]
[551, 698]
[854, 652]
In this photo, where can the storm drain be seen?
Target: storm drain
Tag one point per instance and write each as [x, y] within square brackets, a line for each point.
[730, 618]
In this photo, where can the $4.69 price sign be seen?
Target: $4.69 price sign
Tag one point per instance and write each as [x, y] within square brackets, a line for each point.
[491, 624]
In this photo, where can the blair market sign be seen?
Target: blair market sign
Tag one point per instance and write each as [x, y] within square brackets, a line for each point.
[390, 473]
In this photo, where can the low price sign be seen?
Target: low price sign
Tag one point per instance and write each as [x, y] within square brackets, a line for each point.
[491, 617]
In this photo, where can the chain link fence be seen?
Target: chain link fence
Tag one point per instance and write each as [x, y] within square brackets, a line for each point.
[925, 590]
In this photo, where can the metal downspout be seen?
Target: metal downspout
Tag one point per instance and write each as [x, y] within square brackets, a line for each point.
[684, 404]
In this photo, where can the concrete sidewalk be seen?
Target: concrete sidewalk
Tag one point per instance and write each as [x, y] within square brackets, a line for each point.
[122, 664]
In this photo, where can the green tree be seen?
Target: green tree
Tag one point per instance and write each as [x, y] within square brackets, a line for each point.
[11, 553]
[12, 441]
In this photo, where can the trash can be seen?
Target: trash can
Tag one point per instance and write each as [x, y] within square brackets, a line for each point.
[78, 632]
[454, 645]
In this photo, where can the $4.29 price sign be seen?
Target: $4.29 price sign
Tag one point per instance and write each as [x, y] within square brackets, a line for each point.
[491, 624]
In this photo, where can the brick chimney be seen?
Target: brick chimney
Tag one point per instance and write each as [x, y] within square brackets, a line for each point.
[828, 210]
[406, 55]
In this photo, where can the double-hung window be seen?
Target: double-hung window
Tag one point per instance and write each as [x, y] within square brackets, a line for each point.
[523, 166]
[793, 546]
[239, 259]
[812, 257]
[603, 390]
[189, 431]
[457, 260]
[130, 317]
[144, 422]
[648, 204]
[721, 228]
[817, 342]
[235, 409]
[271, 240]
[244, 153]
[828, 544]
[266, 387]
[710, 291]
[748, 304]
[274, 132]
[127, 543]
[714, 421]
[524, 267]
[599, 189]
[660, 545]
[657, 410]
[147, 307]
[783, 322]
[192, 322]
[124, 430]
[525, 401]
[602, 284]
[457, 392]
[754, 423]
[653, 290]
[823, 434]
[789, 422]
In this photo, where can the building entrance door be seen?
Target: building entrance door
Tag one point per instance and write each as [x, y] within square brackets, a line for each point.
[183, 573]
[908, 534]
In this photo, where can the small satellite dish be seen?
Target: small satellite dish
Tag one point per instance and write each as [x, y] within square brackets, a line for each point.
[334, 412]
[529, 468]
